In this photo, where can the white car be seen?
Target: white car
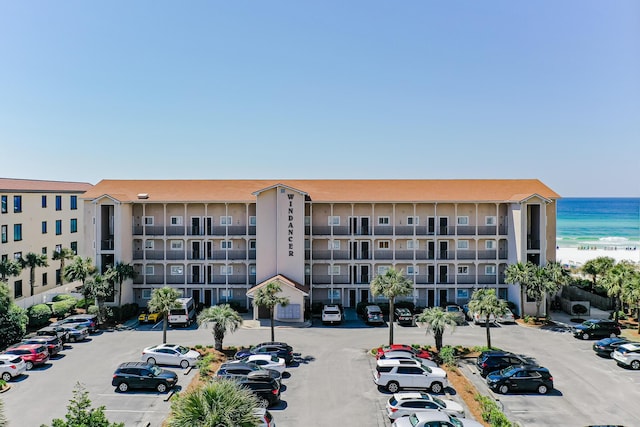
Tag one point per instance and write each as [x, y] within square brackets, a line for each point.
[507, 317]
[11, 366]
[267, 361]
[331, 314]
[628, 355]
[434, 418]
[405, 404]
[396, 374]
[481, 320]
[170, 354]
[265, 418]
[401, 354]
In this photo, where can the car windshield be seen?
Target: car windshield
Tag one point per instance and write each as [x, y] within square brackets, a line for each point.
[455, 421]
[183, 350]
[413, 419]
[426, 368]
[155, 370]
[587, 323]
[439, 402]
[507, 372]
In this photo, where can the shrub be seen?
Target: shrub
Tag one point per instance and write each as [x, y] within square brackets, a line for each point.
[579, 309]
[83, 303]
[240, 308]
[39, 315]
[491, 413]
[204, 365]
[527, 318]
[63, 297]
[448, 355]
[62, 308]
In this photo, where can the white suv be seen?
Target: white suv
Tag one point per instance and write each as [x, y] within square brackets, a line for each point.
[396, 374]
[331, 313]
[628, 355]
[11, 366]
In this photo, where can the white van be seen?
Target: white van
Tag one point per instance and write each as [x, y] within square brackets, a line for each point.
[184, 314]
[331, 314]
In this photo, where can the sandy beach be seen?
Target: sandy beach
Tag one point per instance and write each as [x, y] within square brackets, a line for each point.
[578, 256]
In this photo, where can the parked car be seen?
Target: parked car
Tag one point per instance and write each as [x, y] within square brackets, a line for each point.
[266, 390]
[403, 316]
[597, 328]
[404, 404]
[132, 375]
[521, 378]
[331, 314]
[606, 346]
[268, 348]
[87, 320]
[76, 332]
[423, 354]
[170, 354]
[433, 419]
[54, 331]
[482, 319]
[400, 354]
[495, 360]
[237, 368]
[396, 374]
[507, 317]
[53, 344]
[149, 317]
[628, 355]
[32, 354]
[373, 315]
[11, 366]
[267, 361]
[265, 418]
[457, 312]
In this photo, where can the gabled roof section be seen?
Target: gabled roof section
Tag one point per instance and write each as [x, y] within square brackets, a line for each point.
[38, 186]
[529, 197]
[338, 191]
[255, 193]
[283, 281]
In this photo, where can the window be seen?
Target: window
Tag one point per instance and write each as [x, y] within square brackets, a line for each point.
[384, 244]
[149, 270]
[252, 270]
[177, 270]
[73, 201]
[58, 227]
[176, 220]
[148, 220]
[44, 227]
[334, 294]
[307, 220]
[334, 220]
[74, 247]
[463, 293]
[252, 245]
[58, 203]
[74, 225]
[44, 201]
[226, 220]
[4, 234]
[411, 244]
[17, 289]
[226, 244]
[411, 270]
[463, 270]
[334, 270]
[44, 250]
[334, 244]
[252, 221]
[226, 293]
[226, 270]
[17, 204]
[382, 269]
[463, 220]
[44, 279]
[58, 248]
[176, 245]
[3, 204]
[383, 220]
[490, 220]
[490, 270]
[463, 244]
[149, 244]
[58, 277]
[17, 232]
[412, 220]
[17, 256]
[490, 244]
[146, 294]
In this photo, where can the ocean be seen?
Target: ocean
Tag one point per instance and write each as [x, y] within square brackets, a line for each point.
[598, 223]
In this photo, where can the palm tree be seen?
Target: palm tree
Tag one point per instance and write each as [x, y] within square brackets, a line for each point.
[80, 269]
[9, 267]
[437, 320]
[614, 281]
[519, 273]
[597, 267]
[224, 318]
[486, 303]
[100, 289]
[32, 260]
[162, 301]
[220, 403]
[544, 280]
[268, 297]
[391, 284]
[62, 255]
[118, 274]
[631, 292]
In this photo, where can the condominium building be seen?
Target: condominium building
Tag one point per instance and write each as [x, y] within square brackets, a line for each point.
[216, 239]
[41, 217]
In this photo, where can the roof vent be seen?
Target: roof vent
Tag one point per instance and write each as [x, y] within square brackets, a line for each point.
[143, 195]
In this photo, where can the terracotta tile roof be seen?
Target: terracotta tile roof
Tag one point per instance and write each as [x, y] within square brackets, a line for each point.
[35, 186]
[325, 190]
[281, 279]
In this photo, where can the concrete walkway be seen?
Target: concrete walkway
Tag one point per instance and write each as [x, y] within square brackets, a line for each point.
[566, 319]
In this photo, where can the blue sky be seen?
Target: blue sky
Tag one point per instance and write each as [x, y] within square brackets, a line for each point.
[331, 89]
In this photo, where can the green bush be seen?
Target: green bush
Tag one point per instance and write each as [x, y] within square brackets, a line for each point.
[204, 365]
[39, 315]
[62, 308]
[62, 297]
[491, 413]
[126, 311]
[448, 355]
[83, 303]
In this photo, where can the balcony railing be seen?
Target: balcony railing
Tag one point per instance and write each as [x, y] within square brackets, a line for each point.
[321, 279]
[237, 230]
[238, 279]
[341, 254]
[487, 254]
[154, 230]
[154, 279]
[138, 255]
[487, 279]
[341, 280]
[153, 254]
[383, 230]
[466, 280]
[217, 230]
[237, 254]
[466, 230]
[195, 255]
[423, 255]
[252, 230]
[383, 254]
[218, 280]
[446, 255]
[174, 255]
[446, 280]
[252, 254]
[195, 231]
[106, 245]
[466, 254]
[423, 230]
[404, 254]
[175, 230]
[503, 230]
[404, 230]
[503, 254]
[321, 230]
[175, 279]
[424, 279]
[487, 230]
[341, 230]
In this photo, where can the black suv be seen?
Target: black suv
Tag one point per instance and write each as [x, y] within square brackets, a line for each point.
[244, 369]
[495, 360]
[403, 316]
[597, 328]
[277, 349]
[521, 378]
[143, 375]
[267, 391]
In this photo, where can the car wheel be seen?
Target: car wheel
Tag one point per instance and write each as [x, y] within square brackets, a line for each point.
[6, 376]
[123, 387]
[542, 389]
[162, 387]
[393, 387]
[585, 336]
[263, 403]
[151, 361]
[29, 365]
[184, 364]
[504, 389]
[436, 388]
[635, 365]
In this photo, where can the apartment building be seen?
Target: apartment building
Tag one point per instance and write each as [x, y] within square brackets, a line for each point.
[40, 217]
[216, 239]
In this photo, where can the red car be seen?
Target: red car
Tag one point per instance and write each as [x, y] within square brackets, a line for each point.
[423, 354]
[32, 354]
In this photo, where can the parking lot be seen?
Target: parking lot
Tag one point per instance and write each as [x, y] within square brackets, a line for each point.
[330, 382]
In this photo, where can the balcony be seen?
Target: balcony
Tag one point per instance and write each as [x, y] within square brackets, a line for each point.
[217, 255]
[341, 254]
[404, 230]
[383, 230]
[138, 255]
[321, 279]
[487, 254]
[137, 230]
[237, 279]
[237, 254]
[503, 230]
[321, 254]
[383, 254]
[194, 280]
[466, 230]
[321, 230]
[466, 280]
[252, 254]
[175, 279]
[154, 230]
[487, 230]
[423, 230]
[424, 279]
[195, 255]
[252, 230]
[503, 254]
[425, 255]
[341, 280]
[218, 280]
[446, 280]
[106, 245]
[237, 230]
[446, 255]
[151, 254]
[175, 255]
[341, 230]
[138, 279]
[217, 231]
[195, 231]
[487, 279]
[466, 254]
[404, 254]
[154, 279]
[175, 230]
